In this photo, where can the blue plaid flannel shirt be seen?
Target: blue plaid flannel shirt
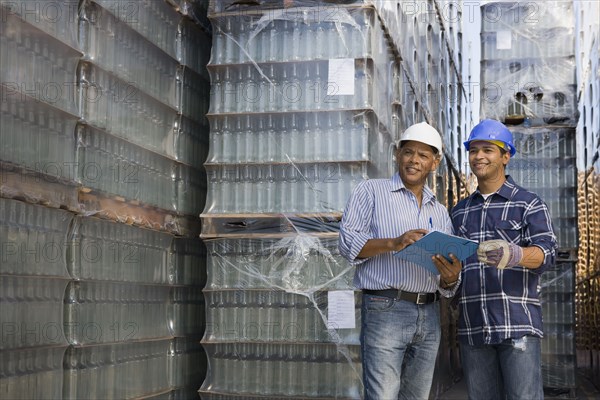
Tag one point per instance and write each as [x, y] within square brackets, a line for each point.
[502, 304]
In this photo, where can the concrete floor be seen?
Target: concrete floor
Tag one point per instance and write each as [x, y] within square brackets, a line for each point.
[585, 391]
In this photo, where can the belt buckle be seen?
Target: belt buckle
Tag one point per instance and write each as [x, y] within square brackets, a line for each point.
[421, 298]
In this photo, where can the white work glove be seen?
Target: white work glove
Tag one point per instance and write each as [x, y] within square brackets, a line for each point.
[499, 253]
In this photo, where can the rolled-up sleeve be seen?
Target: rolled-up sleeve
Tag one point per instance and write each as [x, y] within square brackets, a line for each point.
[355, 228]
[539, 232]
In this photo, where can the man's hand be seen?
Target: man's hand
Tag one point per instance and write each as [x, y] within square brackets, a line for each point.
[374, 247]
[408, 238]
[449, 270]
[499, 253]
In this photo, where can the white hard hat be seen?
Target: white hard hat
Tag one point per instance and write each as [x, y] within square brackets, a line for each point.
[424, 133]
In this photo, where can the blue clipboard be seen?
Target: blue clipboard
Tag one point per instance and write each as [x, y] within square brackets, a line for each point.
[421, 251]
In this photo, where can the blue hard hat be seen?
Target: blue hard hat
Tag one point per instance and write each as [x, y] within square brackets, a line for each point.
[489, 129]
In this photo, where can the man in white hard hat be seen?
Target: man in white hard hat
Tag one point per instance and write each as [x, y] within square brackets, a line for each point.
[500, 321]
[400, 332]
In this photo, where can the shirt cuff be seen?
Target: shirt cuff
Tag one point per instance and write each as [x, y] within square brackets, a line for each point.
[450, 292]
[549, 257]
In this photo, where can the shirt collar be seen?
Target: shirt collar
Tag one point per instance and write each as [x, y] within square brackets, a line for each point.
[398, 185]
[506, 190]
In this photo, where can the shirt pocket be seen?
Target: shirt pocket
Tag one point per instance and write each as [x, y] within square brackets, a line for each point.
[510, 230]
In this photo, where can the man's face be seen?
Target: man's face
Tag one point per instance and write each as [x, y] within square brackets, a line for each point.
[487, 161]
[415, 161]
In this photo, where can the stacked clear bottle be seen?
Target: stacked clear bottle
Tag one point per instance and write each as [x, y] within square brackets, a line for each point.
[33, 278]
[105, 312]
[32, 373]
[116, 167]
[119, 370]
[547, 166]
[278, 134]
[37, 65]
[187, 361]
[187, 311]
[108, 251]
[258, 263]
[189, 141]
[59, 19]
[557, 296]
[119, 108]
[32, 311]
[192, 45]
[112, 45]
[289, 35]
[265, 188]
[187, 264]
[36, 239]
[157, 21]
[267, 315]
[282, 369]
[540, 53]
[38, 136]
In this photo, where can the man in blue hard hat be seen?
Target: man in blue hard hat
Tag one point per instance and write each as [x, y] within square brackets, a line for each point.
[400, 315]
[500, 321]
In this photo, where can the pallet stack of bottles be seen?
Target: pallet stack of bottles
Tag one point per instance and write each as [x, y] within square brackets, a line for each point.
[528, 63]
[307, 99]
[103, 115]
[529, 83]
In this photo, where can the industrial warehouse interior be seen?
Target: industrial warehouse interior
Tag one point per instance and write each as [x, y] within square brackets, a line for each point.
[174, 176]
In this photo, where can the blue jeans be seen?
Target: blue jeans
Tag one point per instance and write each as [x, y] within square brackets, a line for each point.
[509, 370]
[399, 345]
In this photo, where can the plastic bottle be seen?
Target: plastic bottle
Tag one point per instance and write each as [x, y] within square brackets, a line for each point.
[228, 44]
[296, 41]
[216, 143]
[307, 97]
[259, 146]
[228, 97]
[296, 141]
[274, 41]
[249, 91]
[271, 141]
[306, 140]
[316, 141]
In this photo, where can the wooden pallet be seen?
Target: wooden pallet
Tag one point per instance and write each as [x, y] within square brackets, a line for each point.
[133, 212]
[269, 225]
[567, 254]
[33, 187]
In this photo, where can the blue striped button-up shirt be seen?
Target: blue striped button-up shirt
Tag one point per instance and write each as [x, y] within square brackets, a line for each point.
[502, 304]
[385, 208]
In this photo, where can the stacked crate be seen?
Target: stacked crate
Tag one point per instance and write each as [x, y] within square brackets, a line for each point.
[289, 140]
[546, 164]
[267, 331]
[103, 114]
[528, 63]
[33, 278]
[144, 96]
[528, 80]
[39, 53]
[39, 104]
[558, 307]
[305, 104]
[143, 111]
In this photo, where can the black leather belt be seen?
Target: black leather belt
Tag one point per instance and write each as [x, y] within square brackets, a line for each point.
[417, 298]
